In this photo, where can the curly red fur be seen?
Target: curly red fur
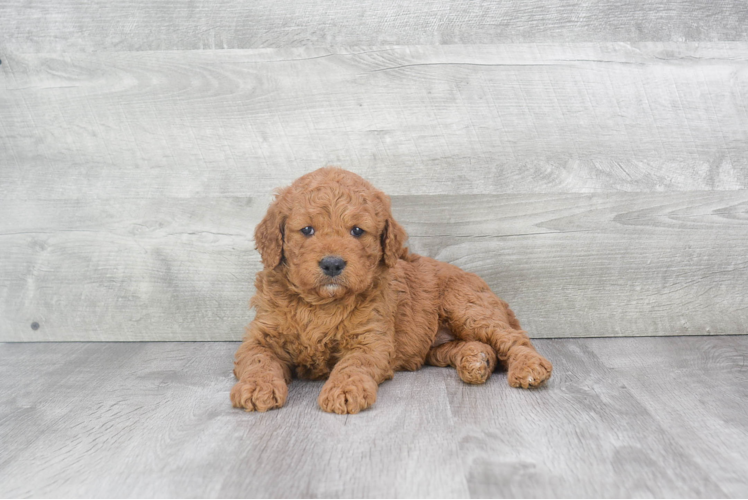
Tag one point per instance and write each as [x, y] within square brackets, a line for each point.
[381, 314]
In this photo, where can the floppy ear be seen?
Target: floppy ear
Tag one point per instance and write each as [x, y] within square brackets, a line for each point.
[393, 239]
[269, 236]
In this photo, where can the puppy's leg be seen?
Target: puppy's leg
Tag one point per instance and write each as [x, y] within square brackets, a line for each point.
[473, 312]
[353, 382]
[263, 378]
[474, 361]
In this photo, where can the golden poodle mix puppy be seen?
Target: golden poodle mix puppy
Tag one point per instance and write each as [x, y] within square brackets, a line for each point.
[341, 298]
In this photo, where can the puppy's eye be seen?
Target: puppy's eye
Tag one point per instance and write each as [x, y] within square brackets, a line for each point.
[357, 231]
[307, 231]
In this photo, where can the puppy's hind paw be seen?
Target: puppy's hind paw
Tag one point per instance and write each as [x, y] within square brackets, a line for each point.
[476, 362]
[528, 369]
[259, 394]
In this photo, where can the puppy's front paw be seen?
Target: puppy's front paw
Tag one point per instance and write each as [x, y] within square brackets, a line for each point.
[259, 394]
[348, 393]
[528, 369]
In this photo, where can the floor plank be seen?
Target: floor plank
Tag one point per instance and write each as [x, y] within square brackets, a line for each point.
[696, 390]
[583, 435]
[154, 420]
[96, 25]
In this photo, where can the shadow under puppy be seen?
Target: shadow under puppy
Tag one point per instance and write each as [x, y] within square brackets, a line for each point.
[341, 298]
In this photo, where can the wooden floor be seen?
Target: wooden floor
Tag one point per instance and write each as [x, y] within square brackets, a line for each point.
[621, 417]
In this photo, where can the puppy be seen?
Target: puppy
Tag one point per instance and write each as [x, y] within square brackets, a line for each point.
[341, 298]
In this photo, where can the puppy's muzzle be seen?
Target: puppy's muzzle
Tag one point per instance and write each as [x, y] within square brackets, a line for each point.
[332, 265]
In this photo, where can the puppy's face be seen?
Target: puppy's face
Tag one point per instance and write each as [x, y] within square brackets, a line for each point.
[332, 243]
[332, 231]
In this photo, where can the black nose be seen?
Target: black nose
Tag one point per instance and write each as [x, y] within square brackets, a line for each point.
[332, 265]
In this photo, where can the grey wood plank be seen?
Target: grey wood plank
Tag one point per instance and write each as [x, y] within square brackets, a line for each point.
[159, 269]
[695, 388]
[154, 420]
[96, 25]
[598, 265]
[161, 424]
[103, 415]
[570, 265]
[384, 454]
[27, 375]
[467, 119]
[584, 434]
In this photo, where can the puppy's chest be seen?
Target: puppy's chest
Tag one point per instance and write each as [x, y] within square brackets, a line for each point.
[315, 348]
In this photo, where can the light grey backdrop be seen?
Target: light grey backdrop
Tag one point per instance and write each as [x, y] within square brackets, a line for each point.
[588, 159]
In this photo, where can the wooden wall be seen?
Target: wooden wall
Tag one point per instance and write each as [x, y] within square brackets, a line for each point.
[589, 159]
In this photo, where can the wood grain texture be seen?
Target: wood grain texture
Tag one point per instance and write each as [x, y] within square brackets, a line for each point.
[696, 388]
[468, 119]
[570, 265]
[585, 424]
[154, 420]
[599, 265]
[158, 269]
[135, 25]
[158, 422]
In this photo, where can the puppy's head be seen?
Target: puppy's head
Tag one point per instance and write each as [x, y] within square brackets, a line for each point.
[333, 232]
